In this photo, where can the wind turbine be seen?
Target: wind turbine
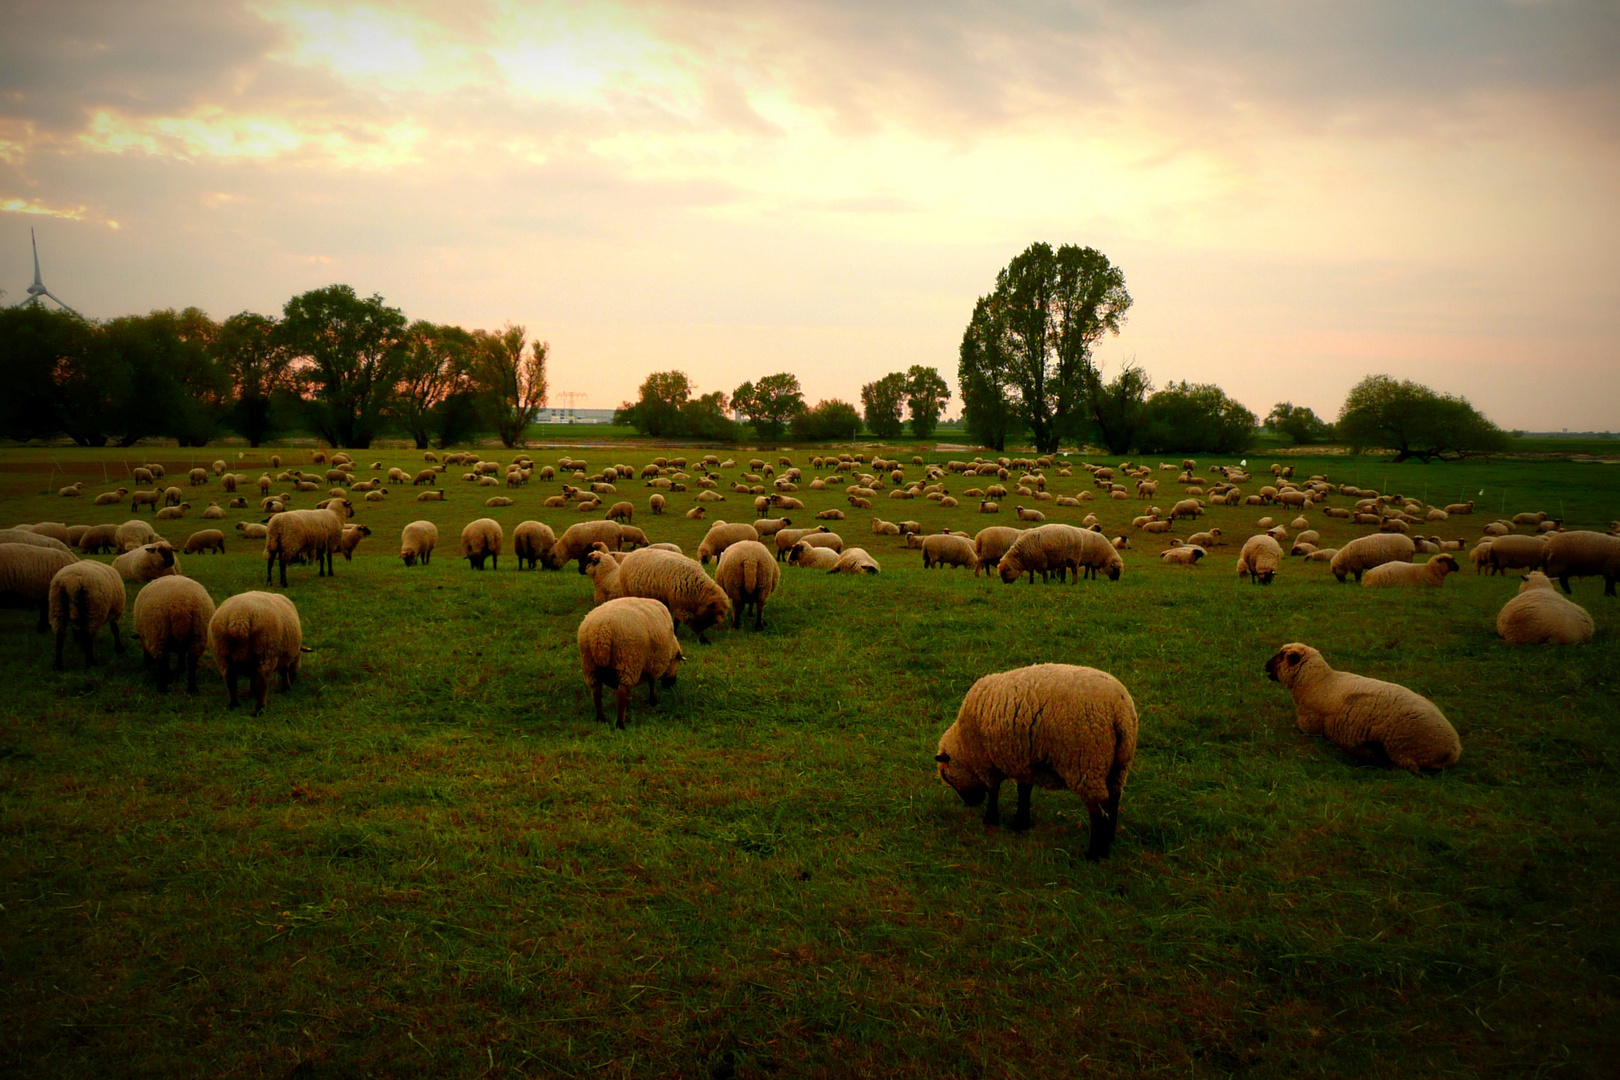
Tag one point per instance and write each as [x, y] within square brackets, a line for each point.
[38, 289]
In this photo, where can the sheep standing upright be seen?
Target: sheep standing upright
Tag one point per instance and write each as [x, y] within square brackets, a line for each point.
[86, 596]
[26, 571]
[748, 573]
[1054, 725]
[624, 643]
[293, 535]
[1366, 717]
[256, 633]
[482, 540]
[172, 615]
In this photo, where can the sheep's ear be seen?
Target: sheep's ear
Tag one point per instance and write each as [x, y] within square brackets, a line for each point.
[943, 759]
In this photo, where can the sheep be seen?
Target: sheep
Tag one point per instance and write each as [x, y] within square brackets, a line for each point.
[621, 511]
[144, 498]
[498, 501]
[55, 530]
[988, 507]
[198, 477]
[71, 491]
[786, 538]
[1029, 515]
[655, 503]
[1185, 555]
[1398, 574]
[1539, 616]
[205, 540]
[530, 542]
[679, 583]
[1368, 718]
[576, 541]
[416, 542]
[1188, 508]
[1460, 508]
[624, 643]
[111, 498]
[143, 475]
[1060, 549]
[172, 615]
[172, 496]
[148, 563]
[1322, 555]
[294, 535]
[945, 549]
[990, 544]
[830, 515]
[98, 538]
[1259, 559]
[771, 526]
[855, 561]
[1365, 552]
[1515, 553]
[84, 597]
[256, 633]
[697, 513]
[749, 575]
[602, 567]
[26, 571]
[1582, 554]
[1206, 540]
[808, 556]
[482, 540]
[350, 539]
[426, 476]
[1060, 726]
[133, 534]
[252, 530]
[171, 513]
[722, 535]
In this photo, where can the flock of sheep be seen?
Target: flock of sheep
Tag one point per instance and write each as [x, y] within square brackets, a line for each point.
[1049, 725]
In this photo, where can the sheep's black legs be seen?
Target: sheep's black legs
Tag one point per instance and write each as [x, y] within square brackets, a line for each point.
[1021, 819]
[163, 671]
[596, 699]
[992, 805]
[118, 640]
[269, 567]
[261, 690]
[191, 672]
[1104, 823]
[231, 675]
[61, 639]
[623, 696]
[44, 617]
[759, 616]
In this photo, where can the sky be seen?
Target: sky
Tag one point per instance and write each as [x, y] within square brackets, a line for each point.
[1298, 193]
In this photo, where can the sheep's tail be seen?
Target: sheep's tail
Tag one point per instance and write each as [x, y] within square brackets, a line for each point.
[750, 575]
[79, 607]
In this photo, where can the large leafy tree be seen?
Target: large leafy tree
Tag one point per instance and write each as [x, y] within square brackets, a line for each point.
[510, 375]
[348, 352]
[1195, 417]
[1298, 423]
[926, 395]
[881, 402]
[175, 385]
[1048, 309]
[656, 412]
[435, 367]
[41, 352]
[1117, 409]
[1414, 421]
[771, 404]
[257, 369]
[988, 412]
[829, 421]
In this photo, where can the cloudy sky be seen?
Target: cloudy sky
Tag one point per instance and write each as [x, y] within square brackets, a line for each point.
[1299, 193]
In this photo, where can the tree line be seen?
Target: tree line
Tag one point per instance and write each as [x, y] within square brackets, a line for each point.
[347, 367]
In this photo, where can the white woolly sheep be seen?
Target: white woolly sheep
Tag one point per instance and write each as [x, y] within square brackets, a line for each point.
[1539, 616]
[1028, 515]
[749, 575]
[990, 544]
[26, 571]
[1582, 554]
[350, 539]
[111, 498]
[1205, 540]
[84, 597]
[133, 534]
[1059, 726]
[722, 535]
[417, 541]
[252, 530]
[1515, 553]
[296, 535]
[1368, 718]
[256, 634]
[808, 556]
[785, 538]
[624, 643]
[1060, 549]
[172, 616]
[1185, 555]
[1365, 552]
[855, 561]
[530, 542]
[576, 541]
[946, 549]
[677, 582]
[205, 540]
[147, 563]
[1431, 574]
[482, 540]
[602, 567]
[1259, 559]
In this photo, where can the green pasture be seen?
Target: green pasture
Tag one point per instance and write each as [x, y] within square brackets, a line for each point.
[426, 859]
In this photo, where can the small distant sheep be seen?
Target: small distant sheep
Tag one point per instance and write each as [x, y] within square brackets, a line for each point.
[1365, 552]
[71, 491]
[1431, 574]
[256, 634]
[26, 571]
[172, 615]
[624, 643]
[855, 561]
[749, 575]
[251, 530]
[98, 538]
[171, 513]
[1206, 540]
[84, 597]
[482, 540]
[1582, 554]
[1259, 559]
[1366, 717]
[1059, 726]
[416, 542]
[148, 563]
[111, 498]
[205, 540]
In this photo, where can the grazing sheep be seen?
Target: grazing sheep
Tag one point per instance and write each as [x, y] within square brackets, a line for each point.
[416, 542]
[1060, 549]
[296, 535]
[1259, 559]
[655, 503]
[576, 541]
[172, 496]
[98, 538]
[350, 539]
[1399, 574]
[26, 571]
[1058, 726]
[855, 561]
[946, 549]
[1185, 555]
[1515, 553]
[1365, 552]
[1582, 554]
[808, 556]
[679, 583]
[602, 567]
[748, 574]
[256, 633]
[621, 511]
[722, 535]
[252, 530]
[482, 540]
[205, 540]
[1366, 717]
[84, 597]
[133, 534]
[530, 542]
[172, 616]
[624, 643]
[426, 476]
[148, 563]
[1539, 616]
[143, 476]
[990, 544]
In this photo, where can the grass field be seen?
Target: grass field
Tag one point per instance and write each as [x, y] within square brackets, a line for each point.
[426, 860]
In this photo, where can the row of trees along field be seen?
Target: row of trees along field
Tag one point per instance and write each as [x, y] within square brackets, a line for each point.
[345, 366]
[1027, 371]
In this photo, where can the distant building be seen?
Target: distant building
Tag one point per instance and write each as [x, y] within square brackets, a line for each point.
[563, 415]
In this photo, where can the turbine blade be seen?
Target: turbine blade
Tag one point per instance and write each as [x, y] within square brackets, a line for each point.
[33, 240]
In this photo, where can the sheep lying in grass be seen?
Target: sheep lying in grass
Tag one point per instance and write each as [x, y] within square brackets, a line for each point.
[1583, 554]
[252, 530]
[172, 616]
[1058, 726]
[855, 561]
[148, 563]
[784, 539]
[84, 597]
[749, 575]
[26, 571]
[1399, 574]
[1539, 616]
[111, 498]
[811, 557]
[256, 634]
[624, 643]
[1368, 718]
[1184, 555]
[679, 584]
